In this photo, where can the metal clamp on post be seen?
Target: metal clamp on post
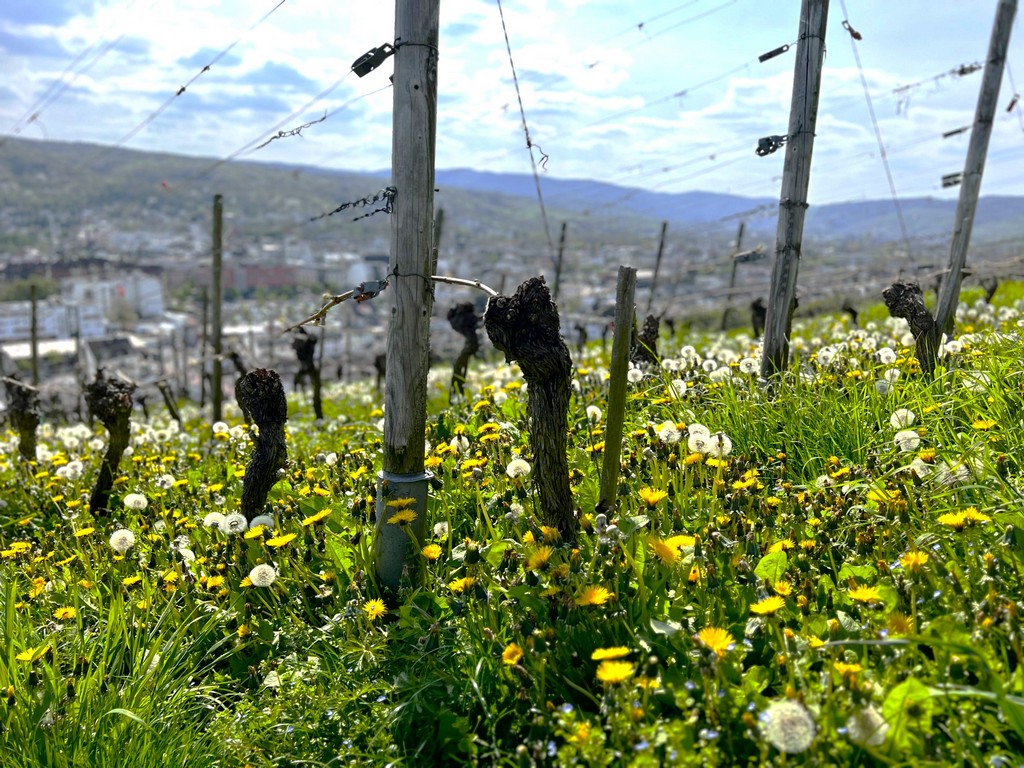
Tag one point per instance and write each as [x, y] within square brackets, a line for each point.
[372, 59]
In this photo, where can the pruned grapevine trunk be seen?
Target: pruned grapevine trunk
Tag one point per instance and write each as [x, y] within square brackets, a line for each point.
[525, 327]
[261, 395]
[23, 408]
[465, 321]
[906, 300]
[110, 401]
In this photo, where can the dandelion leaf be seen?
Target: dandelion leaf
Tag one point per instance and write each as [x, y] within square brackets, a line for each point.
[772, 567]
[908, 710]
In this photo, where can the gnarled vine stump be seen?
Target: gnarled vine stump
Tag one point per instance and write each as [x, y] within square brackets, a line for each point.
[525, 327]
[465, 321]
[110, 401]
[23, 414]
[260, 394]
[644, 349]
[906, 300]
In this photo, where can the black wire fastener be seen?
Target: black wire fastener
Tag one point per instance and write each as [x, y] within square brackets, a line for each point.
[773, 53]
[768, 144]
[372, 59]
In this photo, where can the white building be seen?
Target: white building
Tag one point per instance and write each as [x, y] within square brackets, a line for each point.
[137, 291]
[54, 320]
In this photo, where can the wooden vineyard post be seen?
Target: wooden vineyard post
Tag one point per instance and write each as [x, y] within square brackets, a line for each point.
[615, 416]
[974, 167]
[657, 265]
[33, 295]
[732, 276]
[558, 263]
[216, 388]
[403, 483]
[796, 176]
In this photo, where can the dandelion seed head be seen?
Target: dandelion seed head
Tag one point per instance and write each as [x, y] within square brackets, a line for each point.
[787, 726]
[136, 501]
[122, 540]
[262, 575]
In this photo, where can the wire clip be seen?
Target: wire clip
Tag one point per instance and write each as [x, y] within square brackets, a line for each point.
[952, 179]
[853, 32]
[768, 144]
[773, 53]
[372, 59]
[368, 290]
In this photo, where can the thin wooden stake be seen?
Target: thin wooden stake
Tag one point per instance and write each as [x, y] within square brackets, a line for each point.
[796, 176]
[34, 332]
[558, 263]
[657, 265]
[217, 298]
[616, 413]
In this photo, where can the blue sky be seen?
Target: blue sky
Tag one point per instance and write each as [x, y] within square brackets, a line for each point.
[666, 95]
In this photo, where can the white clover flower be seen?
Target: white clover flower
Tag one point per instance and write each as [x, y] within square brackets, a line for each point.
[866, 727]
[262, 575]
[135, 501]
[235, 523]
[266, 521]
[594, 413]
[214, 520]
[787, 726]
[518, 468]
[122, 540]
[668, 432]
[902, 418]
[907, 440]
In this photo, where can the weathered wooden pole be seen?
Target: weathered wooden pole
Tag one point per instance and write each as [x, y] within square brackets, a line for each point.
[216, 305]
[657, 265]
[202, 348]
[796, 176]
[732, 275]
[438, 226]
[615, 416]
[412, 167]
[974, 167]
[34, 331]
[558, 263]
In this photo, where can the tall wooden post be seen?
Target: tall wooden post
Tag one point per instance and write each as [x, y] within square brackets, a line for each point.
[796, 176]
[974, 167]
[217, 299]
[732, 275]
[436, 249]
[33, 298]
[203, 346]
[412, 168]
[558, 263]
[615, 416]
[657, 266]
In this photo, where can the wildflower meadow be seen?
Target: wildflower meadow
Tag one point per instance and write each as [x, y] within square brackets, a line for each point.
[824, 569]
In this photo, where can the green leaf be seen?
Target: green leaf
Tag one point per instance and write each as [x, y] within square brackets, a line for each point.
[908, 710]
[858, 572]
[493, 553]
[129, 715]
[772, 567]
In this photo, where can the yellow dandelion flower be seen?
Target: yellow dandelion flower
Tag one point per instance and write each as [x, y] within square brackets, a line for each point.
[431, 551]
[550, 534]
[214, 581]
[402, 517]
[402, 503]
[913, 561]
[244, 631]
[131, 581]
[783, 588]
[664, 551]
[847, 670]
[314, 519]
[983, 424]
[512, 654]
[972, 515]
[319, 491]
[768, 606]
[651, 496]
[716, 639]
[538, 559]
[593, 596]
[65, 613]
[695, 574]
[680, 540]
[865, 594]
[462, 584]
[83, 532]
[613, 672]
[781, 546]
[280, 541]
[956, 520]
[32, 654]
[615, 652]
[374, 609]
[255, 532]
[246, 582]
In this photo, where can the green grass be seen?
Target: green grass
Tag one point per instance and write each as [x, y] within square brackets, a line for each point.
[822, 588]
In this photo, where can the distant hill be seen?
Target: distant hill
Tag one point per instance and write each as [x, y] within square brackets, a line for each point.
[49, 191]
